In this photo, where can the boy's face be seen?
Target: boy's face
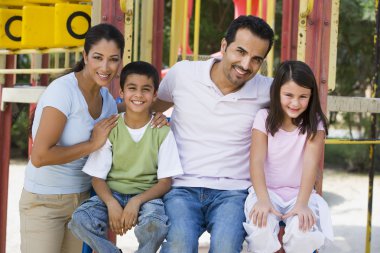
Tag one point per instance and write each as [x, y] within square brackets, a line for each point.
[138, 93]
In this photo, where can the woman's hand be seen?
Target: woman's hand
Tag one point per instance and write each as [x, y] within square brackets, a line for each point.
[159, 120]
[101, 131]
[260, 211]
[305, 216]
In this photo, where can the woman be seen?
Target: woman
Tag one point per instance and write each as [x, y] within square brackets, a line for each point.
[73, 118]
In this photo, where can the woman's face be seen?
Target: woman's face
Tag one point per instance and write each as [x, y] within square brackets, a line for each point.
[102, 61]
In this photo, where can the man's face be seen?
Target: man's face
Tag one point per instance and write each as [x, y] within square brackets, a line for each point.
[242, 59]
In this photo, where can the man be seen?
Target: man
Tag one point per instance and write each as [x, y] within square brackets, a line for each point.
[215, 103]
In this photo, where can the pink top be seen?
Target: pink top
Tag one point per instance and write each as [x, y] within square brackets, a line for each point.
[283, 166]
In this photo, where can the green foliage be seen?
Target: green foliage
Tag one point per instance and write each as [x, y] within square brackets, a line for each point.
[213, 25]
[19, 131]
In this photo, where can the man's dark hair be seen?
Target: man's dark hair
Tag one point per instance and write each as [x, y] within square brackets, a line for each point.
[256, 25]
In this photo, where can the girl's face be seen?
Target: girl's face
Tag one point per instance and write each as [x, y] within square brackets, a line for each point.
[102, 62]
[294, 99]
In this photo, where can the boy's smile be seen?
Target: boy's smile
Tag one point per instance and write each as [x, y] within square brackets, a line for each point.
[138, 93]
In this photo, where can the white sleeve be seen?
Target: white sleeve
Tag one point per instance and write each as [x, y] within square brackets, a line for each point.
[99, 162]
[165, 90]
[169, 164]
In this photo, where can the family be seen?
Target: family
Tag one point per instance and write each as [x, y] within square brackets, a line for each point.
[241, 153]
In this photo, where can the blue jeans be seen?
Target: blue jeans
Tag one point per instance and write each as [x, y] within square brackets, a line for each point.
[90, 224]
[193, 210]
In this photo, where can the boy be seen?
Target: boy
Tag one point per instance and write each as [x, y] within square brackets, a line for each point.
[130, 172]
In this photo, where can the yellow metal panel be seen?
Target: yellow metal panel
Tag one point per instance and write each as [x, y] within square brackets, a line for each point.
[45, 1]
[72, 22]
[37, 27]
[146, 32]
[10, 36]
[11, 3]
[333, 43]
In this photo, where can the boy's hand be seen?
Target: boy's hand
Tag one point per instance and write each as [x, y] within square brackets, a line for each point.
[130, 214]
[260, 211]
[159, 120]
[115, 212]
[305, 216]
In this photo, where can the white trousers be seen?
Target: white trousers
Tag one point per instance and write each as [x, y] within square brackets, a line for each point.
[265, 239]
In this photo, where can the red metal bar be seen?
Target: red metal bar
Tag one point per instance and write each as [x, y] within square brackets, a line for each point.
[158, 33]
[112, 14]
[5, 144]
[290, 14]
[318, 54]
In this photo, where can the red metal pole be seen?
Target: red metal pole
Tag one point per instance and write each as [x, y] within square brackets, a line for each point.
[158, 33]
[112, 14]
[290, 10]
[5, 144]
[318, 54]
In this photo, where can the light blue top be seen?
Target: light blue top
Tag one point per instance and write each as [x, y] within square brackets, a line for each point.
[64, 94]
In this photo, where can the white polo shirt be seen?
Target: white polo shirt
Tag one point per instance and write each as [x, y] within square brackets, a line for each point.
[213, 131]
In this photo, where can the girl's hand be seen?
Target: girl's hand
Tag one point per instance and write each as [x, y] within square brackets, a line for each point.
[260, 211]
[159, 120]
[101, 131]
[305, 216]
[115, 212]
[130, 214]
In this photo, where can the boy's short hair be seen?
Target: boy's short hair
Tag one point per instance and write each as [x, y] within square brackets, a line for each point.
[140, 68]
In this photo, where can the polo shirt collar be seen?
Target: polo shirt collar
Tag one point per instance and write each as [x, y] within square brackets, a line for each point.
[248, 91]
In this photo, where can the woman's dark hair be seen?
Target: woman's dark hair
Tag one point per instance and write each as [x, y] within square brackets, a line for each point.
[93, 36]
[97, 33]
[300, 73]
[256, 25]
[140, 68]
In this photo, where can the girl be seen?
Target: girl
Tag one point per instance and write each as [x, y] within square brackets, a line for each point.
[287, 143]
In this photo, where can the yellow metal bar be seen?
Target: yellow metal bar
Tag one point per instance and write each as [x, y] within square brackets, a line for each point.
[146, 32]
[127, 7]
[96, 12]
[175, 29]
[249, 7]
[342, 141]
[260, 9]
[303, 12]
[56, 60]
[333, 43]
[32, 71]
[2, 66]
[271, 21]
[184, 30]
[41, 51]
[196, 28]
[67, 60]
[309, 8]
[136, 31]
